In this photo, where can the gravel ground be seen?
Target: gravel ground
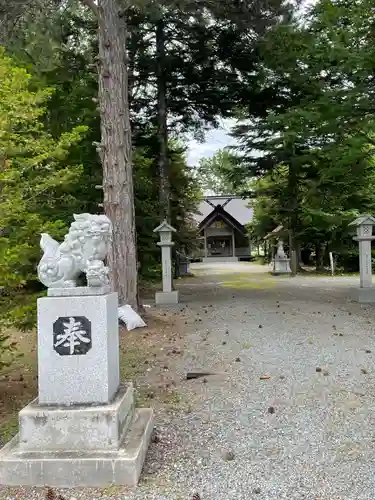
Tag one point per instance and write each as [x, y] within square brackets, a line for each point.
[289, 412]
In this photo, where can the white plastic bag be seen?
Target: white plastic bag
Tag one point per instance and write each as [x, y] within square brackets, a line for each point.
[131, 319]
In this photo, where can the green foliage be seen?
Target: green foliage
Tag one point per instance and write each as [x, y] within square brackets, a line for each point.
[35, 193]
[204, 60]
[49, 120]
[184, 199]
[69, 186]
[7, 350]
[34, 179]
[312, 152]
[218, 174]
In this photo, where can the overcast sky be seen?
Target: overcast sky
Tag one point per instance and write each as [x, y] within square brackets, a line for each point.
[218, 138]
[215, 139]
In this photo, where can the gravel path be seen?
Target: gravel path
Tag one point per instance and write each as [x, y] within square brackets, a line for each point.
[305, 431]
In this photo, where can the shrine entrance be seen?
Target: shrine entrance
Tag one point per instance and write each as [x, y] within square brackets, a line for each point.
[219, 246]
[223, 237]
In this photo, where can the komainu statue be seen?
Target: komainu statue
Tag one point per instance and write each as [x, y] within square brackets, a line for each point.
[83, 251]
[280, 254]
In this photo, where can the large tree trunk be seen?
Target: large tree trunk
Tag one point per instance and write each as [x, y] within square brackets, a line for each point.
[116, 150]
[165, 206]
[319, 254]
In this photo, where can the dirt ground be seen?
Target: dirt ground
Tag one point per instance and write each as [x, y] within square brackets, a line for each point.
[147, 356]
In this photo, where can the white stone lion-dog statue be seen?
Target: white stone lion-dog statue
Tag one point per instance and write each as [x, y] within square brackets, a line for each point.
[83, 251]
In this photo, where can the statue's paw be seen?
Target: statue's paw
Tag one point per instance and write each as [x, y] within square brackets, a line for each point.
[52, 273]
[69, 284]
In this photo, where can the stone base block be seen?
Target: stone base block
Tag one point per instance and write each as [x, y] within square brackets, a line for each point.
[79, 291]
[76, 428]
[364, 295]
[78, 349]
[281, 266]
[80, 469]
[164, 298]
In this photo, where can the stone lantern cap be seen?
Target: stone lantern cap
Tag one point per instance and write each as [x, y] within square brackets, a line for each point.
[363, 220]
[165, 230]
[364, 224]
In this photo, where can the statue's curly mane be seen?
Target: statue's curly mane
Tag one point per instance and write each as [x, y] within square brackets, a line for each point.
[80, 227]
[84, 246]
[78, 237]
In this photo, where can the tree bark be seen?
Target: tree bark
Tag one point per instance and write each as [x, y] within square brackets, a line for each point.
[163, 162]
[319, 257]
[116, 150]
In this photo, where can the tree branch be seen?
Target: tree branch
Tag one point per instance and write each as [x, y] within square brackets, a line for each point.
[92, 6]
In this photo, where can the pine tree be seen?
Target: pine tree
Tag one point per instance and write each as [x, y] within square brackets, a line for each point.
[318, 129]
[34, 177]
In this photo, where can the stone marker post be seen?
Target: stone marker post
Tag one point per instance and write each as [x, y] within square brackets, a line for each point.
[83, 428]
[364, 225]
[168, 295]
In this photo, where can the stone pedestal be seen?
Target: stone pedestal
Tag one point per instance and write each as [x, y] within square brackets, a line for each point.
[83, 429]
[365, 264]
[165, 298]
[364, 295]
[85, 367]
[166, 263]
[281, 266]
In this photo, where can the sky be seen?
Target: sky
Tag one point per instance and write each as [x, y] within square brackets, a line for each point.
[214, 139]
[219, 138]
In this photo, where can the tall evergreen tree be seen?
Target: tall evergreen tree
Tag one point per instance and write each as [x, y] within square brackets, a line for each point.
[35, 179]
[320, 127]
[185, 67]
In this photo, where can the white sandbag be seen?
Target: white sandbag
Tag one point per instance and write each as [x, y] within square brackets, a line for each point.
[131, 319]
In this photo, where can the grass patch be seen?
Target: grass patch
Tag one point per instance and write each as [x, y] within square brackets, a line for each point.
[112, 490]
[170, 399]
[9, 427]
[242, 284]
[18, 384]
[132, 362]
[133, 365]
[246, 346]
[173, 399]
[314, 274]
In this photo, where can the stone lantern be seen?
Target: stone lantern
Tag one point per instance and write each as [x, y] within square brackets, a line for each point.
[364, 225]
[168, 295]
